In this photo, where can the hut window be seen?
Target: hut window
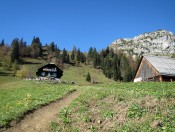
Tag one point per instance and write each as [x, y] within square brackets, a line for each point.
[43, 73]
[54, 74]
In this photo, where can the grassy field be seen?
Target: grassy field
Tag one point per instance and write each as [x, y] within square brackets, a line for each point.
[7, 76]
[120, 107]
[19, 97]
[78, 75]
[103, 106]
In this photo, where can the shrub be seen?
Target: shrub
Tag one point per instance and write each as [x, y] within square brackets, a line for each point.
[88, 77]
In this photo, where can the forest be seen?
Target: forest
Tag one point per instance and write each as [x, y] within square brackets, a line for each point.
[115, 65]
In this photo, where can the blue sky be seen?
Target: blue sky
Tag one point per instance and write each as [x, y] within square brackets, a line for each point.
[83, 23]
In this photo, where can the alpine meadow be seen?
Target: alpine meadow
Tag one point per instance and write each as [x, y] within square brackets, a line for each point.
[87, 66]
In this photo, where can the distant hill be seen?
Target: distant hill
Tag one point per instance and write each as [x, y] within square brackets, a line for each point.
[78, 74]
[158, 42]
[71, 73]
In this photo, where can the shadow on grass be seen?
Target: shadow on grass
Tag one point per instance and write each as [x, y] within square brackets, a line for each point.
[31, 63]
[5, 74]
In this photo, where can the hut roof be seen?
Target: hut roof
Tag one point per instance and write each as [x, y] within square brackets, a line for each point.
[163, 64]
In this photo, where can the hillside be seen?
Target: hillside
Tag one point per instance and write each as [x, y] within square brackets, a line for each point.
[75, 74]
[158, 42]
[78, 74]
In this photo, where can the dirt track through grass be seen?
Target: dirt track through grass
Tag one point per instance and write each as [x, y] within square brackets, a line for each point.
[39, 120]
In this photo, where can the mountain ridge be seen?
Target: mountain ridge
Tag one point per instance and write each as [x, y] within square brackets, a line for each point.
[157, 42]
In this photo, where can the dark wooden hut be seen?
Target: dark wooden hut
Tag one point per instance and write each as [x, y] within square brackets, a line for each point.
[155, 68]
[49, 70]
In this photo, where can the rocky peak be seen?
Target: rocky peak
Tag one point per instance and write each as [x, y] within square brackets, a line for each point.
[158, 42]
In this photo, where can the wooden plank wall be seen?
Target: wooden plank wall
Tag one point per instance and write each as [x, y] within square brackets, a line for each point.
[146, 70]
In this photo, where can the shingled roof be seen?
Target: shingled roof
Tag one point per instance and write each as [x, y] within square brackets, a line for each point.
[163, 64]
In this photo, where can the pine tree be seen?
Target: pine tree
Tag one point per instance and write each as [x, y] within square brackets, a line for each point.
[94, 57]
[82, 57]
[22, 48]
[128, 76]
[102, 54]
[73, 54]
[116, 68]
[57, 53]
[36, 47]
[107, 51]
[64, 55]
[52, 47]
[78, 55]
[88, 77]
[15, 51]
[2, 43]
[126, 69]
[89, 55]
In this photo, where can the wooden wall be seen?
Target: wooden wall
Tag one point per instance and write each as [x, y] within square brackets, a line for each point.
[146, 71]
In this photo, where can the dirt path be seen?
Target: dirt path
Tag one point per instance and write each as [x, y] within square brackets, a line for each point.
[39, 120]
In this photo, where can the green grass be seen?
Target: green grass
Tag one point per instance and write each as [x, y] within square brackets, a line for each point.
[21, 96]
[8, 79]
[105, 106]
[6, 76]
[122, 107]
[78, 75]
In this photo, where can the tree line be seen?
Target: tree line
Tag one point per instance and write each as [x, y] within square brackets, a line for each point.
[115, 65]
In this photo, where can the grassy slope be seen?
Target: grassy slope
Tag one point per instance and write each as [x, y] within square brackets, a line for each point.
[106, 106]
[20, 96]
[78, 75]
[7, 76]
[121, 107]
[32, 65]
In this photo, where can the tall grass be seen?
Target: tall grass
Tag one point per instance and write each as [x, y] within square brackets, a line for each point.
[123, 107]
[19, 97]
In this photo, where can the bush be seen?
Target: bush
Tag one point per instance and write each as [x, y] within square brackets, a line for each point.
[88, 77]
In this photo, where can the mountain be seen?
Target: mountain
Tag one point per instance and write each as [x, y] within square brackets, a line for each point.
[158, 42]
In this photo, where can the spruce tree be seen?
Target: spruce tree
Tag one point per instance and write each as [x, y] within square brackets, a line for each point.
[116, 68]
[78, 55]
[36, 47]
[22, 48]
[2, 43]
[73, 54]
[88, 77]
[89, 55]
[64, 56]
[52, 47]
[82, 57]
[15, 51]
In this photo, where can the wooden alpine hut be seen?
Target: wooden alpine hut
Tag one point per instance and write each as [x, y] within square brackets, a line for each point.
[49, 71]
[155, 68]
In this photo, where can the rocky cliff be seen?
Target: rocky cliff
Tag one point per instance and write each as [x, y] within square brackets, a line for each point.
[158, 42]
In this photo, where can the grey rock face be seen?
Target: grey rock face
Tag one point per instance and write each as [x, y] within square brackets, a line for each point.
[158, 42]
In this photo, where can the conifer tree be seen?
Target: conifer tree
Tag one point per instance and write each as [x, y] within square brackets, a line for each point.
[15, 50]
[116, 68]
[22, 48]
[89, 55]
[57, 53]
[78, 55]
[64, 56]
[52, 47]
[82, 58]
[2, 43]
[36, 47]
[88, 77]
[73, 54]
